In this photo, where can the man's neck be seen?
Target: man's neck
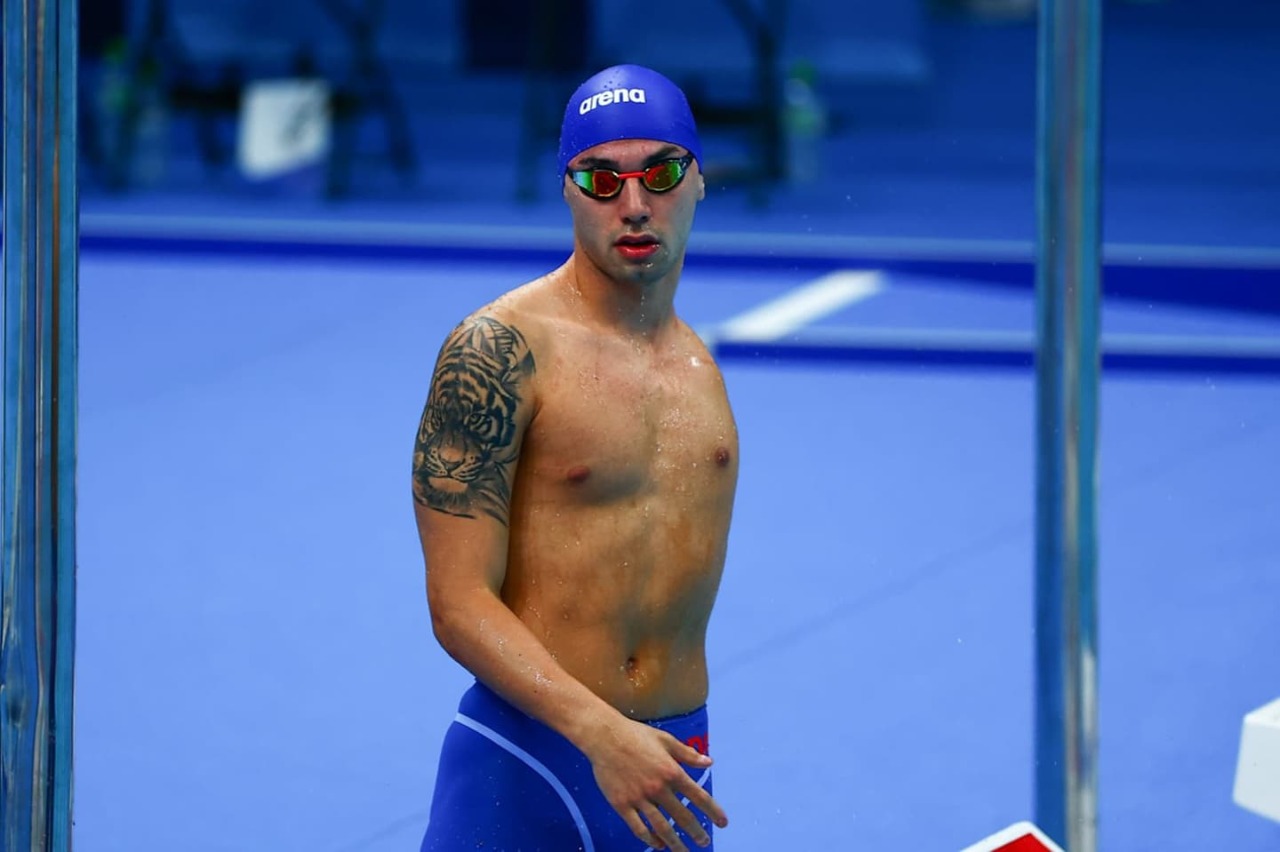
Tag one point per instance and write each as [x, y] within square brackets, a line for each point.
[641, 308]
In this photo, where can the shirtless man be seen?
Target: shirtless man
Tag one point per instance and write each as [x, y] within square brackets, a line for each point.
[573, 479]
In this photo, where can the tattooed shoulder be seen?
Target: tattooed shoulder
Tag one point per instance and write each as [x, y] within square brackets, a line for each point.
[466, 442]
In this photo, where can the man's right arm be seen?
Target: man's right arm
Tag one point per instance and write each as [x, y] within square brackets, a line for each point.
[468, 443]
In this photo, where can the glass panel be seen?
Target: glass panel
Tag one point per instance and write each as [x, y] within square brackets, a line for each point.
[281, 229]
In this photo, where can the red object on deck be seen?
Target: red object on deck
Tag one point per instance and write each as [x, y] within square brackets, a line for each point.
[1025, 843]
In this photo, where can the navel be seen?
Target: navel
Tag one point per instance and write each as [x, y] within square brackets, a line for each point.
[722, 456]
[578, 474]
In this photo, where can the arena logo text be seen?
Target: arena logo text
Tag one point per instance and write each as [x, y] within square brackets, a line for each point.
[611, 96]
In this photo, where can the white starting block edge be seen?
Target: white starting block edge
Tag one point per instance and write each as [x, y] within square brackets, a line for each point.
[1017, 831]
[1257, 787]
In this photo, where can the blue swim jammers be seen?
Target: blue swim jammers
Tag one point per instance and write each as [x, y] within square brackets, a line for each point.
[508, 783]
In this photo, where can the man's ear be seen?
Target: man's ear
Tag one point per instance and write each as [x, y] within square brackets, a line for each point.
[702, 186]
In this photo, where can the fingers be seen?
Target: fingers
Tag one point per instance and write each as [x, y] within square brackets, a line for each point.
[701, 799]
[684, 818]
[657, 829]
[663, 804]
[641, 831]
[667, 837]
[687, 754]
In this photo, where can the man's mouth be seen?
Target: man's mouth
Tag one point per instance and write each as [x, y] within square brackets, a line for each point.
[636, 247]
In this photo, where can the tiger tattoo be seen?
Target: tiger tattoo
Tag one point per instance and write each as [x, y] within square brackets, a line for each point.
[465, 439]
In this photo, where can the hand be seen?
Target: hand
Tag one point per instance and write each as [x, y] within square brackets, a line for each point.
[638, 770]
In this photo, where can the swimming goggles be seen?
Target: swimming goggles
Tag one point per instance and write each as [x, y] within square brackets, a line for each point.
[603, 184]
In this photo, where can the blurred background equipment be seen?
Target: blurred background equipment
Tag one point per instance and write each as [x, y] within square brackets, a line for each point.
[284, 125]
[756, 73]
[171, 68]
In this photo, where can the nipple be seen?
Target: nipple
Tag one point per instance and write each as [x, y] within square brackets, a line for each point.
[578, 474]
[722, 456]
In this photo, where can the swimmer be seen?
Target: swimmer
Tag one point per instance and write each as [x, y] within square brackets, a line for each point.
[573, 479]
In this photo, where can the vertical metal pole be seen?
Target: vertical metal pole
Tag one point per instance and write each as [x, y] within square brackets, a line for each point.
[37, 497]
[1067, 374]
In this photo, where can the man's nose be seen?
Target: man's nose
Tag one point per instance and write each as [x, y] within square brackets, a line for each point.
[633, 202]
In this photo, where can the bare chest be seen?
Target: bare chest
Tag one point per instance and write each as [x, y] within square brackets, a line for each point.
[608, 430]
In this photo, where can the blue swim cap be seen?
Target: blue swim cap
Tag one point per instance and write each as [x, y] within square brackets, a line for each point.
[626, 102]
